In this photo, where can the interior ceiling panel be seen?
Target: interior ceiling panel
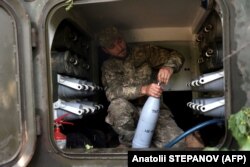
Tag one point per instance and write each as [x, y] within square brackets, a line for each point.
[133, 14]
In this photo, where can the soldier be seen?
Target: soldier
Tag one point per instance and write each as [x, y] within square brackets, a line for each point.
[130, 75]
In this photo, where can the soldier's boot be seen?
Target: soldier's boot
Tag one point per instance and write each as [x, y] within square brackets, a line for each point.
[194, 141]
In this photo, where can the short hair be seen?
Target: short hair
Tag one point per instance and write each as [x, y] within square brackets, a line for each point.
[107, 36]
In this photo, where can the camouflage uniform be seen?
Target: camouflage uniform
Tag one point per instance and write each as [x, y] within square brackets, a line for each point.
[123, 79]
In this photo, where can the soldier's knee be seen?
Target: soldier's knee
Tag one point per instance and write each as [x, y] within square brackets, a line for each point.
[120, 114]
[121, 105]
[119, 102]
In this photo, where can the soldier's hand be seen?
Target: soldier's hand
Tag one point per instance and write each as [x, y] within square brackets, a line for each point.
[153, 89]
[164, 74]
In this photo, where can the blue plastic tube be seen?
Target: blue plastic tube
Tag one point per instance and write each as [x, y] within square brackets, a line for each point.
[188, 132]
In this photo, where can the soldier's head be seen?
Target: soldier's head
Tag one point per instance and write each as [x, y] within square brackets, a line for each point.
[112, 42]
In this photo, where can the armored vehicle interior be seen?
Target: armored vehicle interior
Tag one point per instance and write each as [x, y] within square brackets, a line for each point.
[78, 104]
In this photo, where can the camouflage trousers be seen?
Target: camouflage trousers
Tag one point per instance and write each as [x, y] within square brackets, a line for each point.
[123, 117]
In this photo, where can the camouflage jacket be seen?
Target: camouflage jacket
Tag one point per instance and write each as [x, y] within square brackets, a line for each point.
[123, 78]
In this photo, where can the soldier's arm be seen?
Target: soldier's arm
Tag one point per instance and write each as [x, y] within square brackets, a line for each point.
[161, 57]
[114, 88]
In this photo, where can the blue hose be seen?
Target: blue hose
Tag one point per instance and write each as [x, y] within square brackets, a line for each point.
[199, 126]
